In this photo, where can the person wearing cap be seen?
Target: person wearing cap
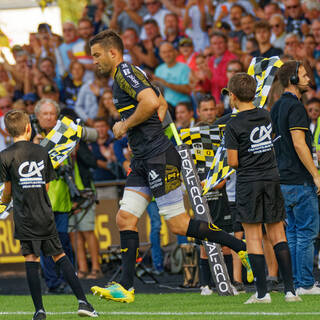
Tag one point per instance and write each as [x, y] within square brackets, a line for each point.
[248, 139]
[29, 100]
[187, 54]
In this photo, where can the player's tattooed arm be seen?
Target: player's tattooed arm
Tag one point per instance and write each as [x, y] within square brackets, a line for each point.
[6, 195]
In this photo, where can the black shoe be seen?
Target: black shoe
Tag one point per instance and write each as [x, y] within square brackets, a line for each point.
[39, 315]
[239, 286]
[86, 310]
[272, 286]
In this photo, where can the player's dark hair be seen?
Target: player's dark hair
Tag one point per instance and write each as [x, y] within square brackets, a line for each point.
[16, 122]
[108, 39]
[243, 86]
[287, 70]
[205, 98]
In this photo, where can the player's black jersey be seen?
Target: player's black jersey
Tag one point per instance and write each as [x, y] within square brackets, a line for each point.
[146, 139]
[28, 167]
[250, 132]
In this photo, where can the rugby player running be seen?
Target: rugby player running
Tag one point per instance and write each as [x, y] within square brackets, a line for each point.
[155, 166]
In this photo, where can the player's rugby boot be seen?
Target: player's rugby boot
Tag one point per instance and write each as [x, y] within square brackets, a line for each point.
[115, 292]
[243, 255]
[254, 299]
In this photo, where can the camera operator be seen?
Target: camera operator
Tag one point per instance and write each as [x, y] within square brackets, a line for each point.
[46, 116]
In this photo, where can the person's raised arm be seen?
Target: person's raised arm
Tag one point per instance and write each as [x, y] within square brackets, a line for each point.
[304, 154]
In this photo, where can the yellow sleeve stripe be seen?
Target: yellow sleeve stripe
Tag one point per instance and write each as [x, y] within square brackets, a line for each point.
[299, 128]
[126, 108]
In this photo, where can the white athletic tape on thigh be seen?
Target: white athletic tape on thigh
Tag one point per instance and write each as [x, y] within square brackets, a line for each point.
[172, 210]
[133, 203]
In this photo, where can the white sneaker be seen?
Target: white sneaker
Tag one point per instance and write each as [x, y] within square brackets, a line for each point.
[312, 290]
[290, 297]
[206, 291]
[254, 299]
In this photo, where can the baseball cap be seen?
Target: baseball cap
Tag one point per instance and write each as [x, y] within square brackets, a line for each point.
[185, 42]
[30, 97]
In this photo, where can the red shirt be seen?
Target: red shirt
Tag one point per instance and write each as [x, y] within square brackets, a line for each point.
[219, 78]
[191, 62]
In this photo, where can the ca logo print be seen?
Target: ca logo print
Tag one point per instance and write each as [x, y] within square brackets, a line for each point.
[30, 169]
[262, 133]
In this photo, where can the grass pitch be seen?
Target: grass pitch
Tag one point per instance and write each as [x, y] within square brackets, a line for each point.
[173, 306]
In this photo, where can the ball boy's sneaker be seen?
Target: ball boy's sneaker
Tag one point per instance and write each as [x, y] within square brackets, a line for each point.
[254, 299]
[290, 297]
[115, 291]
[206, 291]
[313, 290]
[39, 315]
[87, 310]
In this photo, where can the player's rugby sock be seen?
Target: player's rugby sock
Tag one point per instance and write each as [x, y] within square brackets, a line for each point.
[204, 272]
[70, 276]
[33, 278]
[129, 250]
[209, 232]
[282, 252]
[257, 263]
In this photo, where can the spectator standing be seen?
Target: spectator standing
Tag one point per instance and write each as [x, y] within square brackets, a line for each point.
[262, 31]
[218, 63]
[30, 100]
[171, 29]
[299, 177]
[196, 21]
[72, 84]
[88, 99]
[247, 26]
[315, 28]
[103, 152]
[236, 12]
[156, 12]
[80, 50]
[278, 28]
[70, 38]
[107, 108]
[296, 21]
[173, 76]
[128, 15]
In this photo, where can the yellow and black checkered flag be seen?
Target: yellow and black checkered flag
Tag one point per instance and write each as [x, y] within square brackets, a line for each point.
[61, 140]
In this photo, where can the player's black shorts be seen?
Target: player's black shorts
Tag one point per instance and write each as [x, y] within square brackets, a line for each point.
[260, 202]
[223, 218]
[49, 247]
[160, 173]
[236, 225]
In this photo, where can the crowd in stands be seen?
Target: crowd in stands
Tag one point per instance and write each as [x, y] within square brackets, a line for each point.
[189, 48]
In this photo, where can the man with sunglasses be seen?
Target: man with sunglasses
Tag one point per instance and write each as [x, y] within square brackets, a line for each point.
[278, 28]
[30, 100]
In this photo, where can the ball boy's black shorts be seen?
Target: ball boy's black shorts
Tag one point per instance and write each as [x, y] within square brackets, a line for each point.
[49, 247]
[259, 202]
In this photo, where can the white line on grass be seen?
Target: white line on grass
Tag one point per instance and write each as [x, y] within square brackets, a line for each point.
[176, 313]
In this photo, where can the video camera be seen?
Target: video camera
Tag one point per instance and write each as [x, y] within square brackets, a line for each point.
[83, 198]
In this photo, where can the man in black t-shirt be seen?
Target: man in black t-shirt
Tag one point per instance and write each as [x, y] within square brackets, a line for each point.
[299, 177]
[258, 196]
[155, 166]
[26, 170]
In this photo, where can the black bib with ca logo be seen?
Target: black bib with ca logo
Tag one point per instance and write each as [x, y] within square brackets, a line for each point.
[250, 132]
[28, 167]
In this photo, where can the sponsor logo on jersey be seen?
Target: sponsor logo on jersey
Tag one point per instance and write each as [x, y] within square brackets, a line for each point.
[261, 139]
[30, 174]
[155, 180]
